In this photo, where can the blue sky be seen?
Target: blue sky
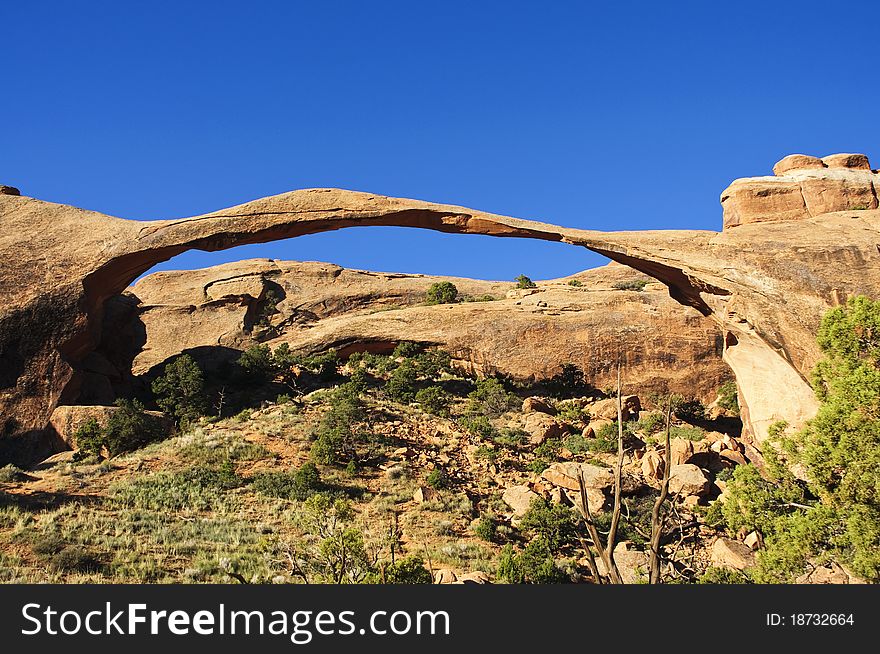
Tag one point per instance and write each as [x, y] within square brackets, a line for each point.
[596, 115]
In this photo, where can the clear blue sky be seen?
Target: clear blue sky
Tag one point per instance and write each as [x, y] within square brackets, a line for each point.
[613, 115]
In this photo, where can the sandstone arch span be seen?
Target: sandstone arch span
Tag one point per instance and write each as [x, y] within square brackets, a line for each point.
[765, 283]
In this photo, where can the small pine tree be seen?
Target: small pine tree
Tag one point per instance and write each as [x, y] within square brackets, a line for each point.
[441, 293]
[180, 390]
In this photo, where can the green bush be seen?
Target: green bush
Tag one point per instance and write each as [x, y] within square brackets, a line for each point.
[691, 410]
[299, 484]
[432, 363]
[129, 428]
[486, 529]
[406, 350]
[651, 423]
[630, 285]
[257, 362]
[180, 390]
[575, 282]
[524, 282]
[555, 523]
[403, 383]
[728, 397]
[441, 293]
[438, 479]
[409, 570]
[714, 575]
[340, 431]
[480, 426]
[534, 565]
[491, 399]
[839, 450]
[434, 399]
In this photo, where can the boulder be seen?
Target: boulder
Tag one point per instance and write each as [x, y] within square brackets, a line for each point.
[518, 498]
[565, 475]
[631, 564]
[9, 190]
[847, 160]
[596, 498]
[797, 162]
[540, 427]
[607, 409]
[445, 576]
[753, 540]
[539, 404]
[424, 494]
[728, 553]
[687, 479]
[652, 467]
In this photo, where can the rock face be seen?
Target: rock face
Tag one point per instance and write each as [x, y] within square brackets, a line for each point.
[803, 187]
[766, 284]
[666, 347]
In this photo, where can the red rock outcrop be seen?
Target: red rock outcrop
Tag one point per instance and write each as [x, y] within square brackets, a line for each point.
[803, 187]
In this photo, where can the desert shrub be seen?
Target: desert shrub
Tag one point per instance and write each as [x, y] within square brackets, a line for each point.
[575, 282]
[409, 570]
[332, 549]
[441, 293]
[651, 423]
[555, 523]
[572, 412]
[434, 399]
[323, 365]
[438, 479]
[524, 282]
[534, 565]
[605, 439]
[258, 363]
[341, 429]
[268, 307]
[478, 298]
[630, 285]
[690, 410]
[299, 484]
[486, 529]
[688, 433]
[577, 444]
[716, 575]
[728, 397]
[11, 474]
[403, 383]
[432, 363]
[491, 399]
[479, 426]
[128, 428]
[180, 390]
[538, 465]
[512, 438]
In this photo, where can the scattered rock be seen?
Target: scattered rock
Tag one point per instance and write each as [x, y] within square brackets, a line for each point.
[830, 573]
[424, 494]
[687, 479]
[730, 553]
[445, 576]
[652, 467]
[596, 498]
[754, 540]
[518, 498]
[540, 427]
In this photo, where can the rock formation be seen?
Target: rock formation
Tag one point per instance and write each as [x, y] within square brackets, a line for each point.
[766, 282]
[525, 334]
